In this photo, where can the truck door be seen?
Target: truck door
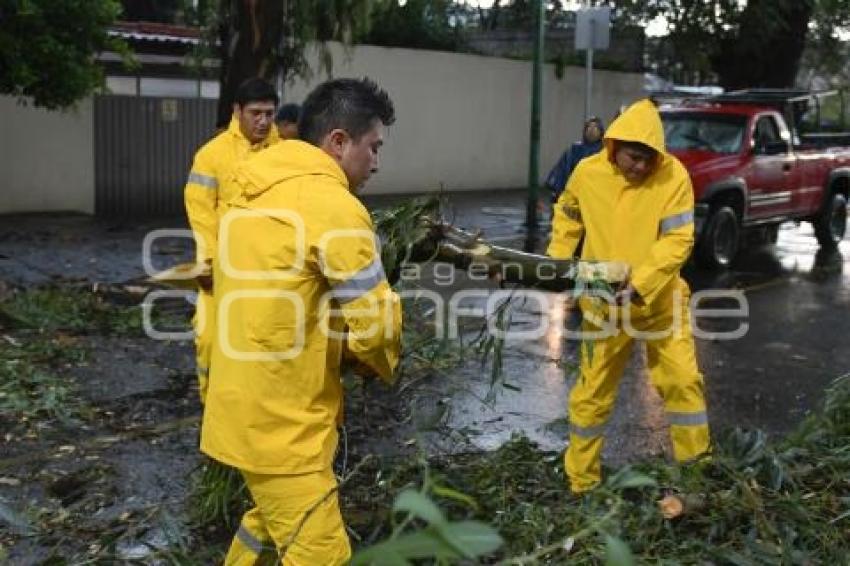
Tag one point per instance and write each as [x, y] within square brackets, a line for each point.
[771, 177]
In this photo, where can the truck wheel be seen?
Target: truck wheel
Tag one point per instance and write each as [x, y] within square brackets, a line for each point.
[771, 234]
[720, 239]
[831, 224]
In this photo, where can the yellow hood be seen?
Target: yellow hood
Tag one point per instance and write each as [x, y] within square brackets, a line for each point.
[640, 122]
[283, 161]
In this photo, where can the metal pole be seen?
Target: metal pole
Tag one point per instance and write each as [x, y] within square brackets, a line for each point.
[588, 71]
[534, 145]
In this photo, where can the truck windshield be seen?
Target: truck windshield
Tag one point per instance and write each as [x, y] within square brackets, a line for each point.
[707, 132]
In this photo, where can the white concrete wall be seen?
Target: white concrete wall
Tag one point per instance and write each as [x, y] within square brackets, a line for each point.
[463, 120]
[46, 158]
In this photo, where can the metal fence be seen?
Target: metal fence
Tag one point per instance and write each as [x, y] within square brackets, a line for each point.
[143, 151]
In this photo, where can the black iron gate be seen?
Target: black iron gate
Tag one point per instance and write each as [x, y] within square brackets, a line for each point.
[143, 151]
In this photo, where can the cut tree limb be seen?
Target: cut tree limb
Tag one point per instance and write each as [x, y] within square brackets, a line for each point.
[678, 504]
[464, 249]
[442, 242]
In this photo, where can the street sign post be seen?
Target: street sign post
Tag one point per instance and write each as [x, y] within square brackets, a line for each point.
[593, 31]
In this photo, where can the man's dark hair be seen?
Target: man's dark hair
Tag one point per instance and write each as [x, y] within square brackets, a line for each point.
[255, 90]
[288, 113]
[347, 104]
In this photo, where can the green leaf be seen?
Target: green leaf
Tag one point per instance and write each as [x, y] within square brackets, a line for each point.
[628, 478]
[455, 495]
[419, 505]
[617, 552]
[471, 538]
[420, 544]
[579, 288]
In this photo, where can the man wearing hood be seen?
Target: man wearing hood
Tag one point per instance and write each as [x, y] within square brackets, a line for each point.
[590, 144]
[208, 190]
[633, 203]
[300, 290]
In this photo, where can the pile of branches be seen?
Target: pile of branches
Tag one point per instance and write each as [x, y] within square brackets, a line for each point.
[751, 502]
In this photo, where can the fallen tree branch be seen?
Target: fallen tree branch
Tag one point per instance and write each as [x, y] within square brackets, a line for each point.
[410, 238]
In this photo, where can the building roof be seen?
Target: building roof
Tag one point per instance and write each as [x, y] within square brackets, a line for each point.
[156, 32]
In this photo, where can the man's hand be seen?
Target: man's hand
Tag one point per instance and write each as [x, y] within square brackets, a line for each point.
[361, 369]
[628, 295]
[205, 278]
[205, 282]
[570, 305]
[351, 362]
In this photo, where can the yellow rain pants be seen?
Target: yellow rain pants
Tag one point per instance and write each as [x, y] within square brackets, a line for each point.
[296, 516]
[673, 372]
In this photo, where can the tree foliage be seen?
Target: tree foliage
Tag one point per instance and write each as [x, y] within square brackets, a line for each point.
[519, 15]
[163, 11]
[47, 49]
[767, 45]
[269, 38]
[757, 43]
[417, 24]
[738, 44]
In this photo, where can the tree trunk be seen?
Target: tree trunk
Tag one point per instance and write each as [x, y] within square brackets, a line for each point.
[465, 251]
[768, 45]
[249, 33]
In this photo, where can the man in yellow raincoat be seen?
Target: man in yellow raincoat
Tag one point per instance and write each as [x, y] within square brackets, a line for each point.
[300, 290]
[633, 202]
[208, 190]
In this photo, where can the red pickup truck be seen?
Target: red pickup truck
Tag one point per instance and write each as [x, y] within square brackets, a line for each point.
[751, 171]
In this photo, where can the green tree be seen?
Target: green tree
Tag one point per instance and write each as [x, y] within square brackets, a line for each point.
[47, 49]
[269, 38]
[757, 43]
[417, 24]
[765, 48]
[519, 15]
[164, 11]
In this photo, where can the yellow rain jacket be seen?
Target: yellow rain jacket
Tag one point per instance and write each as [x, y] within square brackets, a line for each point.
[207, 191]
[209, 188]
[650, 227]
[299, 283]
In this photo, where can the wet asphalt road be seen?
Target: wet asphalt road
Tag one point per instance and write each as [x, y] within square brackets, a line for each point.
[798, 318]
[798, 322]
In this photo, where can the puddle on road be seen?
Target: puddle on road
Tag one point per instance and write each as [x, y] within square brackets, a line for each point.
[537, 375]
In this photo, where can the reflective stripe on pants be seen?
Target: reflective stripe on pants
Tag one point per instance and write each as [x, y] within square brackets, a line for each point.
[250, 541]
